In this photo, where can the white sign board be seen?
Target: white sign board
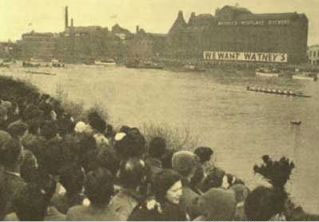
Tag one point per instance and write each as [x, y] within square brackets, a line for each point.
[246, 56]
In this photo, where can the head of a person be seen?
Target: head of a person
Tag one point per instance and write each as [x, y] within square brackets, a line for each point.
[4, 137]
[110, 133]
[167, 186]
[30, 203]
[157, 147]
[214, 179]
[130, 144]
[48, 129]
[31, 112]
[185, 163]
[7, 105]
[198, 177]
[34, 126]
[83, 128]
[204, 153]
[97, 122]
[51, 157]
[133, 173]
[29, 166]
[241, 192]
[99, 186]
[107, 158]
[263, 203]
[167, 158]
[11, 153]
[17, 129]
[72, 178]
[46, 183]
[217, 204]
[3, 114]
[65, 124]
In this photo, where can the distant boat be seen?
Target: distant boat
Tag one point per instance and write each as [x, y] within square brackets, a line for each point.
[276, 91]
[295, 122]
[266, 72]
[4, 65]
[144, 65]
[56, 63]
[306, 76]
[30, 64]
[6, 62]
[41, 73]
[105, 62]
[193, 68]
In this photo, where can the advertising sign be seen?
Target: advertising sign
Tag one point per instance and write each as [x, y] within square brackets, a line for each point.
[246, 56]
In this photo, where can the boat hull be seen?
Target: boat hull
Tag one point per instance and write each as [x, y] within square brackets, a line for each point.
[309, 78]
[270, 75]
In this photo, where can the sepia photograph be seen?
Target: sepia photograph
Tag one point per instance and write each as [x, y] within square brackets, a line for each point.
[159, 110]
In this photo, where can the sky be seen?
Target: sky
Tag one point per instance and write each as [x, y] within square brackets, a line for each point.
[157, 16]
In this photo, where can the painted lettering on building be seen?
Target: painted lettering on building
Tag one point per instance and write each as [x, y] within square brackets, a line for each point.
[254, 22]
[246, 56]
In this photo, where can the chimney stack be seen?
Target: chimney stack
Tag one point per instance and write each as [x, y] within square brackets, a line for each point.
[72, 22]
[137, 29]
[66, 17]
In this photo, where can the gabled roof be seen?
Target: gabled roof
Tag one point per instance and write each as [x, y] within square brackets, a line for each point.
[179, 23]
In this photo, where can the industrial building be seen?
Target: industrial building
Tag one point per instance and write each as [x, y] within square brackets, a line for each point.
[236, 34]
[313, 54]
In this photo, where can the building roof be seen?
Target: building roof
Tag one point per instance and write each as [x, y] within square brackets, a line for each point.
[85, 28]
[179, 23]
[267, 16]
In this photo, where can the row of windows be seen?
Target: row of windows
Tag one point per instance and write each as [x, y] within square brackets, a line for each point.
[314, 53]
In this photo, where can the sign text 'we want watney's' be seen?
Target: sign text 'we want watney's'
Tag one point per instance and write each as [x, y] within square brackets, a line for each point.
[246, 56]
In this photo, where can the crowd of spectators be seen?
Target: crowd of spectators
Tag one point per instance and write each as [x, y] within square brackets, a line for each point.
[53, 167]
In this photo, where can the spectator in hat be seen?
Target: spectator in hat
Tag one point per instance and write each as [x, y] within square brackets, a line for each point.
[11, 181]
[133, 180]
[30, 204]
[18, 130]
[217, 204]
[157, 148]
[241, 193]
[264, 204]
[185, 163]
[72, 179]
[99, 188]
[167, 188]
[47, 186]
[130, 144]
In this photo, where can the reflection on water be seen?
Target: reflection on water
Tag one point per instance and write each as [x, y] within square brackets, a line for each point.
[240, 125]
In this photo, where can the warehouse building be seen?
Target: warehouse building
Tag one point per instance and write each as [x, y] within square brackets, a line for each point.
[236, 34]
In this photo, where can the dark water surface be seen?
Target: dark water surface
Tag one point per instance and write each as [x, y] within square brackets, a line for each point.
[240, 125]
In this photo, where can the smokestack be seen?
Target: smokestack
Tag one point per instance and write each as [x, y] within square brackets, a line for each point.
[72, 22]
[66, 17]
[137, 29]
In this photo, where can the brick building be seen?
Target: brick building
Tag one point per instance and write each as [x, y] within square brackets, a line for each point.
[8, 50]
[233, 33]
[37, 45]
[313, 54]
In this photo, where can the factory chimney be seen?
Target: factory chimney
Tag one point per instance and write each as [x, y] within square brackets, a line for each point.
[66, 17]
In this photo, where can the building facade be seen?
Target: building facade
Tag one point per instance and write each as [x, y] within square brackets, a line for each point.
[313, 54]
[236, 34]
[38, 45]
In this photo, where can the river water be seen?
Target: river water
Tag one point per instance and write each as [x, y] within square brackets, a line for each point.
[241, 126]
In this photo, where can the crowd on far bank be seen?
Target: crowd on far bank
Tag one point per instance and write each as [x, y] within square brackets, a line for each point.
[55, 168]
